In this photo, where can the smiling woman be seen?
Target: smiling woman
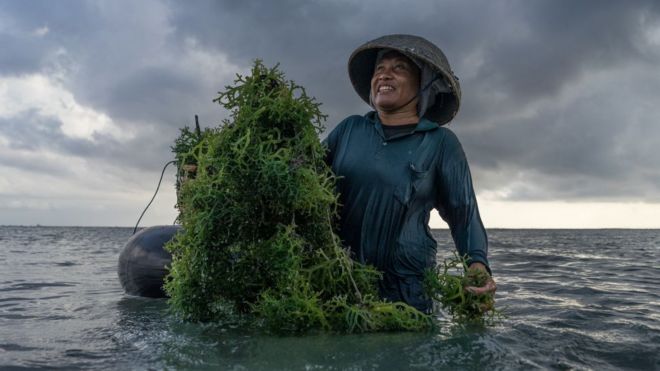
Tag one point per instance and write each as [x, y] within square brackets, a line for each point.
[396, 163]
[394, 87]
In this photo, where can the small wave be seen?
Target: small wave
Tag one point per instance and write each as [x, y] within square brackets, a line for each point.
[16, 348]
[37, 286]
[66, 264]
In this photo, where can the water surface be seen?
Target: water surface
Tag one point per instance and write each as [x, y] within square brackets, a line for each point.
[575, 299]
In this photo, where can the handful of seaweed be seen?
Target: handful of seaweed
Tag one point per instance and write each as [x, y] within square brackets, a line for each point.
[446, 285]
[258, 241]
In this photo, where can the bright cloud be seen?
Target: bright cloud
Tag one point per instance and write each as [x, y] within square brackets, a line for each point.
[40, 94]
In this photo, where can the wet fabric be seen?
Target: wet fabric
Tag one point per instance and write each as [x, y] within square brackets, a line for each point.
[387, 189]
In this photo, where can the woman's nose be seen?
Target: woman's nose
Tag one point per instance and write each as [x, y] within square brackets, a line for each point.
[384, 74]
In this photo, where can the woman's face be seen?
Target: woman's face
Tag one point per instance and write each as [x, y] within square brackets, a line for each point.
[394, 83]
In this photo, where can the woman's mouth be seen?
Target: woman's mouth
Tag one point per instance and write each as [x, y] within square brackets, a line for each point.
[385, 88]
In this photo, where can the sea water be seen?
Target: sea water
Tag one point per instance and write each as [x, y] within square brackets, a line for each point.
[573, 299]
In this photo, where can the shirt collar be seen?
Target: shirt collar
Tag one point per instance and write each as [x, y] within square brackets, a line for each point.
[424, 124]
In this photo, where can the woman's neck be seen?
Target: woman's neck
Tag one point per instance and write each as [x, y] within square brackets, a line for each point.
[398, 118]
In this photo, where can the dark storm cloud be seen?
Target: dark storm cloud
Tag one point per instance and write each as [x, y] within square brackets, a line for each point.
[43, 135]
[591, 147]
[140, 93]
[557, 43]
[517, 60]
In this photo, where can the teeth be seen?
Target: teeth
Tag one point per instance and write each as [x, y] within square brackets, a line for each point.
[385, 88]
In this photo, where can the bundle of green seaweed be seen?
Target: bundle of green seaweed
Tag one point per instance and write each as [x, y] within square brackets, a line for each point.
[447, 286]
[258, 241]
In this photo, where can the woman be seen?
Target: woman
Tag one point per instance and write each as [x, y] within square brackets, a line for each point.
[397, 163]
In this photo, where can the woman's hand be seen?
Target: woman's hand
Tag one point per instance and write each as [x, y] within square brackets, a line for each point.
[489, 287]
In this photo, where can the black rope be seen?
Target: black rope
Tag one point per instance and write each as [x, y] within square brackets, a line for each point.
[155, 193]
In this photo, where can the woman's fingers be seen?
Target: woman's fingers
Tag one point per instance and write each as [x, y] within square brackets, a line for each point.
[489, 287]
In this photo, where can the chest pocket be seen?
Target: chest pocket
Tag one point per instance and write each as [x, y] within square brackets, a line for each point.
[417, 181]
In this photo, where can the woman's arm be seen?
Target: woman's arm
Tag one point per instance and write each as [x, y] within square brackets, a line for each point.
[457, 204]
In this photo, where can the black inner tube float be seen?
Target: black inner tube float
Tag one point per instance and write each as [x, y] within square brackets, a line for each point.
[144, 262]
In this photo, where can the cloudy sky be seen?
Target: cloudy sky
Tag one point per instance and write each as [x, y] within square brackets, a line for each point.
[560, 117]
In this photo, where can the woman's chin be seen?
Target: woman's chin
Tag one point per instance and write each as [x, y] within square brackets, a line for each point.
[385, 107]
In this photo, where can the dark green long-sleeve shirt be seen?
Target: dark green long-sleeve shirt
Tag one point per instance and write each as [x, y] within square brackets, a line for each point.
[387, 189]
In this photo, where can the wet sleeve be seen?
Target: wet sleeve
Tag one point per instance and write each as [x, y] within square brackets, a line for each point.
[457, 203]
[330, 143]
[329, 146]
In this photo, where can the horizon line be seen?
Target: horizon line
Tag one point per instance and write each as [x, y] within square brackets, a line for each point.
[493, 228]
